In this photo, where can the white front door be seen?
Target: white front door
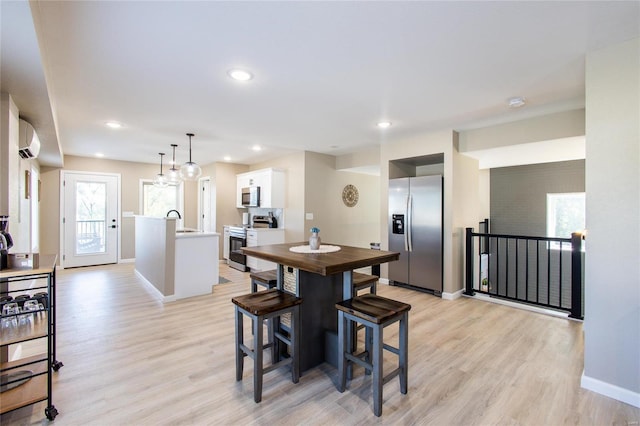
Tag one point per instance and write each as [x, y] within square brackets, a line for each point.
[90, 212]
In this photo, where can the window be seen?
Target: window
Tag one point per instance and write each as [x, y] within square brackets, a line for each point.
[158, 201]
[565, 214]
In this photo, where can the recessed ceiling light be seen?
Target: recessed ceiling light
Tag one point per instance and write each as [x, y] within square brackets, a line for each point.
[99, 154]
[240, 75]
[384, 124]
[516, 102]
[113, 124]
[227, 158]
[256, 148]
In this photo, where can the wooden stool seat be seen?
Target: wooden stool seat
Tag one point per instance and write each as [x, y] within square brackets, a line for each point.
[373, 308]
[268, 279]
[362, 281]
[266, 302]
[376, 313]
[261, 306]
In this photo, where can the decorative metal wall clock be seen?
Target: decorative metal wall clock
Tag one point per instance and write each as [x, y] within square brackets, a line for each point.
[350, 195]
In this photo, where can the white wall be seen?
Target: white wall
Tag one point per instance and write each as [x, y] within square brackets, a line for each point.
[612, 272]
[354, 226]
[466, 211]
[559, 125]
[359, 225]
[9, 158]
[313, 185]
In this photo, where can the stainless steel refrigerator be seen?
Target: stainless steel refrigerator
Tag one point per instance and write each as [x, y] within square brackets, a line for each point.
[415, 231]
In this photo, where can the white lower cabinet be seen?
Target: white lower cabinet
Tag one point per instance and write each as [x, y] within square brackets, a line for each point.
[262, 237]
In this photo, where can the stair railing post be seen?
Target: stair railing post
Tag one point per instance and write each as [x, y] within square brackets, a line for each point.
[576, 276]
[469, 262]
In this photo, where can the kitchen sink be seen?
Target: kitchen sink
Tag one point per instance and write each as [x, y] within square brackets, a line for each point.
[182, 231]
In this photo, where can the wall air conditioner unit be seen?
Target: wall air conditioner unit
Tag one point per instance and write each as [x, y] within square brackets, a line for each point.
[29, 144]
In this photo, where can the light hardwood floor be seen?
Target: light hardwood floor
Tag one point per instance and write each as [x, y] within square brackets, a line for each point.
[129, 359]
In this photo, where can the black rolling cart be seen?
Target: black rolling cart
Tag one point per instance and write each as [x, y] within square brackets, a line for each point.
[28, 380]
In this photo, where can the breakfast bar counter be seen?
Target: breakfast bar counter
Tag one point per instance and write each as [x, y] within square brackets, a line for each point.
[321, 280]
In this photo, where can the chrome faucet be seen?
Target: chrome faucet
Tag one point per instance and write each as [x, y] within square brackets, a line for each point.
[177, 212]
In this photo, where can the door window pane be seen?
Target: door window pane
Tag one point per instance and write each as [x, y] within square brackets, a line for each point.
[91, 211]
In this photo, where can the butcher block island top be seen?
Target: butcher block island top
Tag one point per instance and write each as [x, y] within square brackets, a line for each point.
[346, 259]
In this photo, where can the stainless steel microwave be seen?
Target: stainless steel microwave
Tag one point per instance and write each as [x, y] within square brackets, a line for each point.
[251, 196]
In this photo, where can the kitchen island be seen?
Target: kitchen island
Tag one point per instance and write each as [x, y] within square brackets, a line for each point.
[321, 280]
[176, 263]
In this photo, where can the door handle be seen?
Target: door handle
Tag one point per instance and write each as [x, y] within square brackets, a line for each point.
[407, 225]
[409, 228]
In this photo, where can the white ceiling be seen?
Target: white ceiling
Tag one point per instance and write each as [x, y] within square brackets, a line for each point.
[325, 72]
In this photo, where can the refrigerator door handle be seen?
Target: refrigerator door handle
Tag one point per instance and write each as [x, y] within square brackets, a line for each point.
[409, 226]
[406, 224]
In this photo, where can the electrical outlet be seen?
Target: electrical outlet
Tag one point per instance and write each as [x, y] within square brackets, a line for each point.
[308, 216]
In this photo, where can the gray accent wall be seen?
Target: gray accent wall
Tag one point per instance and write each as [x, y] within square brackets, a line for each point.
[519, 194]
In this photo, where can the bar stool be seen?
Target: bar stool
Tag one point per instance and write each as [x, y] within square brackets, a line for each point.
[267, 279]
[376, 313]
[363, 281]
[269, 304]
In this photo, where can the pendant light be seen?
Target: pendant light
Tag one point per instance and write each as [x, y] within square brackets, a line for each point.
[190, 170]
[161, 180]
[173, 175]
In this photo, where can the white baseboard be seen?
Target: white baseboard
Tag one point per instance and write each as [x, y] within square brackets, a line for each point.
[154, 290]
[611, 391]
[540, 310]
[384, 281]
[130, 260]
[452, 296]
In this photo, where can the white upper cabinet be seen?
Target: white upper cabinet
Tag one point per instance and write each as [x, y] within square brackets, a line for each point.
[271, 183]
[243, 181]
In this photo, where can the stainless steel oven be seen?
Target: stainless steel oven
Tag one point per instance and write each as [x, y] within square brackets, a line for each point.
[237, 240]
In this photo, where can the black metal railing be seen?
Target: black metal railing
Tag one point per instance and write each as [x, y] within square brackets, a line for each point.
[539, 271]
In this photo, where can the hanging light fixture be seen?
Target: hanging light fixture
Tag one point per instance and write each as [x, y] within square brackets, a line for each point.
[173, 175]
[160, 180]
[190, 170]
